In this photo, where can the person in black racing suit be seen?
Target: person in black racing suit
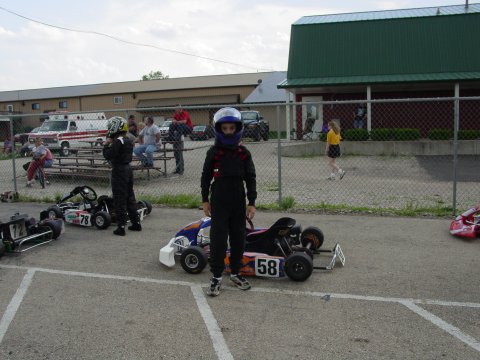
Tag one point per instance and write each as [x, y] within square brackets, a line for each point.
[118, 150]
[229, 164]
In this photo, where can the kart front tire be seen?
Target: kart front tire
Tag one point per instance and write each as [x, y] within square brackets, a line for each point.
[313, 236]
[193, 259]
[145, 204]
[101, 220]
[54, 227]
[298, 266]
[54, 212]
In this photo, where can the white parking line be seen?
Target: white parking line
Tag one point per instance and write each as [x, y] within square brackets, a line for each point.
[219, 344]
[452, 330]
[15, 303]
[218, 341]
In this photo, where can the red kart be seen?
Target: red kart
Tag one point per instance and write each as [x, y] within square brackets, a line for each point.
[467, 225]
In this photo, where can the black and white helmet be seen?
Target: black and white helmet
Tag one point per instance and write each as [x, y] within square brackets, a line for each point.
[116, 125]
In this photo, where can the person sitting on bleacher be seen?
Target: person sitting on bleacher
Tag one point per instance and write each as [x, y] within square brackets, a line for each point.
[149, 142]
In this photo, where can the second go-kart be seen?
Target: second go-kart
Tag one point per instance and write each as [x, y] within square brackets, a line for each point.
[21, 233]
[278, 251]
[90, 210]
[467, 225]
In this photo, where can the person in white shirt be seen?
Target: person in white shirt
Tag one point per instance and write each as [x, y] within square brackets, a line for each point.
[149, 142]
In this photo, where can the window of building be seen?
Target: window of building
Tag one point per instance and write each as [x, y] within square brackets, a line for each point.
[10, 108]
[63, 104]
[118, 100]
[36, 106]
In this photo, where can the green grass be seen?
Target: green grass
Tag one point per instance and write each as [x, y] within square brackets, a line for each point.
[189, 201]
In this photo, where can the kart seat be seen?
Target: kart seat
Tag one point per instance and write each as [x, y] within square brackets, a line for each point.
[263, 240]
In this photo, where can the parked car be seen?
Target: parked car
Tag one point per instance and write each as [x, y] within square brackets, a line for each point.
[254, 126]
[202, 132]
[23, 137]
[165, 128]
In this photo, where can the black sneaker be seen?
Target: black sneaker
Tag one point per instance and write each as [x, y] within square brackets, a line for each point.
[240, 282]
[215, 284]
[135, 227]
[119, 231]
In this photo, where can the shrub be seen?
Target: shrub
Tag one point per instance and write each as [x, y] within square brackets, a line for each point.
[322, 136]
[440, 134]
[406, 134]
[355, 134]
[381, 134]
[468, 134]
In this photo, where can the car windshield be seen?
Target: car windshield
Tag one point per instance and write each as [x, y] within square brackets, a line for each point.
[53, 126]
[199, 128]
[249, 116]
[166, 123]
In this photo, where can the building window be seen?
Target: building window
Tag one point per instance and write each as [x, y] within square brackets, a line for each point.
[63, 104]
[118, 100]
[36, 106]
[10, 108]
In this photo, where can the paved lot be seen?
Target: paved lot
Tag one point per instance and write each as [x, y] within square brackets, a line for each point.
[408, 291]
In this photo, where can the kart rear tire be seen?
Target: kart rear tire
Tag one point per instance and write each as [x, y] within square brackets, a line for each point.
[101, 220]
[313, 236]
[193, 259]
[54, 212]
[298, 266]
[146, 204]
[54, 227]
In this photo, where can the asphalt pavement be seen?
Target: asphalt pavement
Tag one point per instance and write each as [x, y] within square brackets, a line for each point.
[408, 290]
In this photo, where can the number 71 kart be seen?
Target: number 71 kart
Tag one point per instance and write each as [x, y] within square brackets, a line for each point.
[467, 225]
[278, 251]
[90, 210]
[22, 233]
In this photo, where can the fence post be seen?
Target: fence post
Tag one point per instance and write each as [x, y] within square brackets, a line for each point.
[279, 157]
[456, 111]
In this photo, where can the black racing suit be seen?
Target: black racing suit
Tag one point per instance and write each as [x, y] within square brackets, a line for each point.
[119, 153]
[229, 166]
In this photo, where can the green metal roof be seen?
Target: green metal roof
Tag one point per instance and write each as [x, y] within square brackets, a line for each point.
[392, 49]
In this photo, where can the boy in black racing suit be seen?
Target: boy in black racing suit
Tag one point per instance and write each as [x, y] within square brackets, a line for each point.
[229, 164]
[118, 150]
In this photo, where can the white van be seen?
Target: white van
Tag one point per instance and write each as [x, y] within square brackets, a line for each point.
[67, 131]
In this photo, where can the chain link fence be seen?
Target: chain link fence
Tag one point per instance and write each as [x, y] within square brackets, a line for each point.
[404, 154]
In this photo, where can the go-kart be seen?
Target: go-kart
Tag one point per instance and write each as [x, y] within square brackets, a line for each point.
[90, 210]
[467, 225]
[22, 233]
[279, 251]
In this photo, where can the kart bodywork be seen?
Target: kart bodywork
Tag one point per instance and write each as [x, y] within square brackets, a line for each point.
[467, 225]
[279, 251]
[90, 210]
[21, 233]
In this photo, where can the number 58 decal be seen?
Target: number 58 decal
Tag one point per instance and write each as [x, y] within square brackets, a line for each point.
[267, 267]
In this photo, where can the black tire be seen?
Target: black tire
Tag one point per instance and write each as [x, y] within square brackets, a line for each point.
[257, 136]
[146, 204]
[265, 134]
[298, 266]
[101, 220]
[54, 212]
[193, 259]
[2, 249]
[313, 236]
[54, 227]
[65, 149]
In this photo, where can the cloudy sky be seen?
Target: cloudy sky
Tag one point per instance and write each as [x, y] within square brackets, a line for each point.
[180, 38]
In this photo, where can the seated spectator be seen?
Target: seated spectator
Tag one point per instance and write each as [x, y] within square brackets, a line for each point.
[181, 124]
[41, 156]
[149, 142]
[7, 145]
[132, 126]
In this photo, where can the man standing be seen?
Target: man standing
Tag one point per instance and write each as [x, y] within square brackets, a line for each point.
[149, 142]
[181, 124]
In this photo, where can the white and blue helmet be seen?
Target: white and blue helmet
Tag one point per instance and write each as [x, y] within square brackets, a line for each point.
[228, 115]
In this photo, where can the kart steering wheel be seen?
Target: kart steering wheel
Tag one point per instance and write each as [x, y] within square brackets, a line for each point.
[88, 193]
